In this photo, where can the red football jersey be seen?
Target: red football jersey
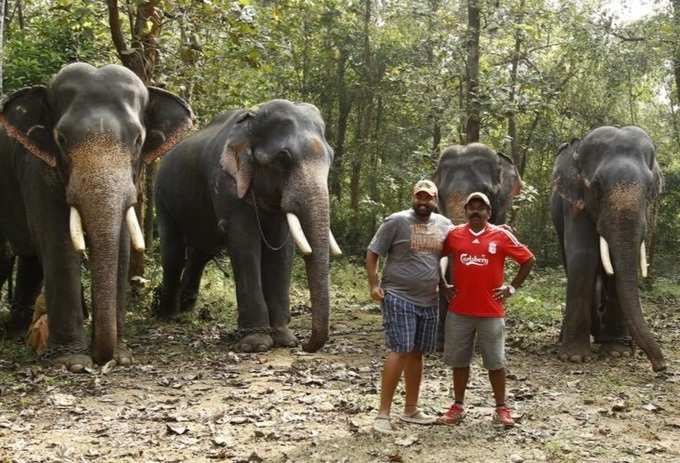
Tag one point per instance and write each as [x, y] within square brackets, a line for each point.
[478, 260]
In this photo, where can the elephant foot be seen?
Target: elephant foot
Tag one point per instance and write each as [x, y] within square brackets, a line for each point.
[256, 342]
[575, 353]
[123, 355]
[284, 337]
[75, 356]
[163, 308]
[616, 350]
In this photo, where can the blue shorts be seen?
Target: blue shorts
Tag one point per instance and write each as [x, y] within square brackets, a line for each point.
[409, 327]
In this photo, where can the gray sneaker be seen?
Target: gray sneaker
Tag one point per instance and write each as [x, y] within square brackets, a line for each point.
[382, 425]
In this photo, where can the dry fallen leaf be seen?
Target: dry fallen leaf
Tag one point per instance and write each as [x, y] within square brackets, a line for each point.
[37, 335]
[406, 441]
[176, 428]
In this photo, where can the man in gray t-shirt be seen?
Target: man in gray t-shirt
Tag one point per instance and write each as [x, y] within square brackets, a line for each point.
[411, 241]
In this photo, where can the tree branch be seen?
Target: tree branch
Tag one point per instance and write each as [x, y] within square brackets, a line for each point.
[116, 32]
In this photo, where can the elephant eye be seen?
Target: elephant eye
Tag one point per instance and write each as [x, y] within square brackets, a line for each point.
[139, 140]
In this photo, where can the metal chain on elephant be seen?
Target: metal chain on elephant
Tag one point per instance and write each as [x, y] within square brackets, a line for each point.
[259, 227]
[241, 332]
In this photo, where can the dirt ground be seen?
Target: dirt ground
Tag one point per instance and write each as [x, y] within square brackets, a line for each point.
[188, 398]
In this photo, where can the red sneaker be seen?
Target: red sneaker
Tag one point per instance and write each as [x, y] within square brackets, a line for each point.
[453, 416]
[503, 417]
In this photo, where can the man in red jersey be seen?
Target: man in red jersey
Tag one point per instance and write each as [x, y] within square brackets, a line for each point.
[478, 250]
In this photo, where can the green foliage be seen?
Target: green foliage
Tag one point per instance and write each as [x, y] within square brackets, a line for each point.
[53, 35]
[398, 70]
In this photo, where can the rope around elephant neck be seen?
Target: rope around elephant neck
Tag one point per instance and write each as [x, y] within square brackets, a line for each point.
[259, 227]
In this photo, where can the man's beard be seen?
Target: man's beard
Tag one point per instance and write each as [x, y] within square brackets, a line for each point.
[423, 210]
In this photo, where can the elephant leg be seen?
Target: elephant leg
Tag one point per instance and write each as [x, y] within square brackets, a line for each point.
[173, 259]
[5, 265]
[276, 271]
[582, 263]
[245, 251]
[28, 285]
[613, 333]
[191, 278]
[67, 342]
[122, 354]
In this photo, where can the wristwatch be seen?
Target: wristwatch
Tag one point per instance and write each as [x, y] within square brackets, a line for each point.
[511, 289]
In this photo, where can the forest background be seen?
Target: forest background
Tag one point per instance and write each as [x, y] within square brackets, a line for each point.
[396, 82]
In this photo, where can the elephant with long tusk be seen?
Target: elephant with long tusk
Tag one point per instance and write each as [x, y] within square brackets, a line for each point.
[603, 187]
[70, 155]
[254, 181]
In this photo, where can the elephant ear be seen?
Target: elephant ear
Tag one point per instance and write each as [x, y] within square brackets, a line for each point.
[167, 117]
[511, 182]
[567, 180]
[237, 155]
[25, 115]
[657, 189]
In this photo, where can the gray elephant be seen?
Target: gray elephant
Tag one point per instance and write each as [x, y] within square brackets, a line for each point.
[248, 182]
[603, 187]
[70, 154]
[464, 169]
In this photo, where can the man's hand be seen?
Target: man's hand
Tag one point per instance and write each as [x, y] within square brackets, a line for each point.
[507, 227]
[447, 290]
[502, 293]
[377, 293]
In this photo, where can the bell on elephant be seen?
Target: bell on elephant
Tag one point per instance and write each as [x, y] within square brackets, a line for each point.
[254, 181]
[70, 155]
[603, 188]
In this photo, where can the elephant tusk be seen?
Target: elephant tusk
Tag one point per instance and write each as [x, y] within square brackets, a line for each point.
[298, 235]
[136, 235]
[643, 260]
[443, 267]
[76, 229]
[335, 249]
[604, 256]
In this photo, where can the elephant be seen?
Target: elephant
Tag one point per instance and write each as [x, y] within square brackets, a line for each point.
[464, 169]
[603, 188]
[248, 182]
[70, 155]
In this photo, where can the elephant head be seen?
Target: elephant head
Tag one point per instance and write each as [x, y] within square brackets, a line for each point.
[93, 129]
[475, 167]
[612, 175]
[278, 153]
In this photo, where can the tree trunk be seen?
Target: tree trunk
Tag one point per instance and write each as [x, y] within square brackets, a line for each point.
[344, 107]
[472, 127]
[140, 58]
[512, 123]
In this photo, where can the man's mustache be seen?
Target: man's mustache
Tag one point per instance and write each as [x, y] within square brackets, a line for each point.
[475, 215]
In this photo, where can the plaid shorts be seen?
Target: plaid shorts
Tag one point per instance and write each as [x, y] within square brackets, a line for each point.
[409, 327]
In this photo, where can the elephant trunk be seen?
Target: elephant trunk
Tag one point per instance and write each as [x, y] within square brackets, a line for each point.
[454, 207]
[310, 202]
[626, 262]
[316, 222]
[100, 191]
[104, 238]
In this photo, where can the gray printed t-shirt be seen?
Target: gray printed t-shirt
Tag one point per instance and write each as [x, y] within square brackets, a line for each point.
[413, 249]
